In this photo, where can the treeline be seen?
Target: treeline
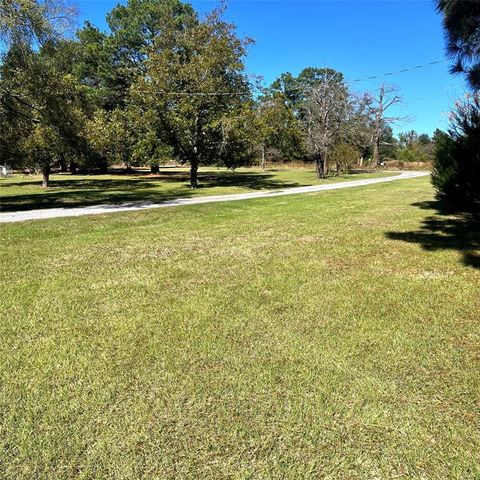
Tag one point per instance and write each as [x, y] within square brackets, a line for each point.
[164, 84]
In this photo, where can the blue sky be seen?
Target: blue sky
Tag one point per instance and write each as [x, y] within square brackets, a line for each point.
[360, 38]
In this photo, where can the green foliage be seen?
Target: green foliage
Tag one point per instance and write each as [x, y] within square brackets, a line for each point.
[344, 156]
[445, 166]
[43, 103]
[323, 113]
[295, 89]
[413, 147]
[278, 129]
[34, 22]
[197, 95]
[456, 172]
[40, 97]
[461, 21]
[110, 63]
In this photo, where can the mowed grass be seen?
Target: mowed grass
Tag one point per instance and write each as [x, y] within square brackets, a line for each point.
[21, 192]
[331, 335]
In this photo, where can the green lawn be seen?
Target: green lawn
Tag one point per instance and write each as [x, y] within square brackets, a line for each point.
[22, 192]
[331, 335]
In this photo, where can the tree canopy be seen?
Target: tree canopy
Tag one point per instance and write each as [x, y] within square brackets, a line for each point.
[461, 21]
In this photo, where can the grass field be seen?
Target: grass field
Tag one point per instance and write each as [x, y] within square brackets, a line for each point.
[22, 192]
[331, 335]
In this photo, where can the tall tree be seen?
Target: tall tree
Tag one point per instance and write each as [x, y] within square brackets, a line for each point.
[110, 63]
[46, 107]
[196, 86]
[461, 21]
[324, 112]
[385, 98]
[36, 86]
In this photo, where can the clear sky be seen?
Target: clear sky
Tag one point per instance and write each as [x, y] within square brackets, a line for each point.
[360, 38]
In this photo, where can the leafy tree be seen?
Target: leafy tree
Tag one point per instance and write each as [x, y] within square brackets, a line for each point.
[296, 89]
[36, 87]
[424, 139]
[95, 69]
[327, 111]
[196, 90]
[324, 113]
[125, 136]
[414, 147]
[388, 143]
[461, 21]
[344, 156]
[278, 129]
[28, 23]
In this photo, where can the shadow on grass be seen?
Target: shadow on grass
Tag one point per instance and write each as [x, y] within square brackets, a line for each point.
[80, 192]
[447, 229]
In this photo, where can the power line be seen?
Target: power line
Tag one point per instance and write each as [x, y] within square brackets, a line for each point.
[202, 94]
[403, 70]
[356, 80]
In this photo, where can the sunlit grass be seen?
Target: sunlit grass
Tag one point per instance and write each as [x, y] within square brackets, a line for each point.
[332, 335]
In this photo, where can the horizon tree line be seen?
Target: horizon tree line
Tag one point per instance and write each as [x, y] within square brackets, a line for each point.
[164, 84]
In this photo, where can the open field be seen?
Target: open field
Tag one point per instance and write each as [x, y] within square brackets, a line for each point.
[330, 335]
[25, 192]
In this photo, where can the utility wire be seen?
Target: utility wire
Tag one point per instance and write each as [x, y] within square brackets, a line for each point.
[403, 70]
[356, 80]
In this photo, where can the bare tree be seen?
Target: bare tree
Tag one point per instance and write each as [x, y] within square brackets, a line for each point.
[324, 114]
[386, 97]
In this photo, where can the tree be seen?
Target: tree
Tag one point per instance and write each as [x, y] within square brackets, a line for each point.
[199, 95]
[344, 156]
[36, 87]
[323, 115]
[414, 147]
[110, 63]
[424, 139]
[278, 129]
[461, 21]
[125, 136]
[327, 111]
[385, 98]
[34, 22]
[456, 170]
[45, 105]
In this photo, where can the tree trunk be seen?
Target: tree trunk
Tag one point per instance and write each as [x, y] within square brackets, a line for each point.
[360, 163]
[320, 166]
[72, 167]
[264, 160]
[194, 173]
[45, 176]
[376, 151]
[103, 167]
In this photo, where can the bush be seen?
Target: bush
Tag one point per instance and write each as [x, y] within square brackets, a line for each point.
[344, 156]
[456, 169]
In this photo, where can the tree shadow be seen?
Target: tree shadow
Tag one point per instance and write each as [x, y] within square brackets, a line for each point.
[72, 191]
[447, 229]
